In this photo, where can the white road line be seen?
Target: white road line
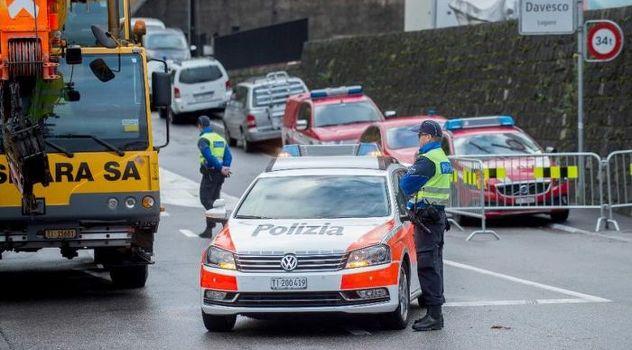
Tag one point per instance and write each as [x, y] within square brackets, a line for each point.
[514, 302]
[181, 191]
[357, 331]
[189, 233]
[571, 229]
[586, 297]
[164, 214]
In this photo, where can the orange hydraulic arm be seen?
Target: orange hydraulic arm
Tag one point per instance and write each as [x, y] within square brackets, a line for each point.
[29, 30]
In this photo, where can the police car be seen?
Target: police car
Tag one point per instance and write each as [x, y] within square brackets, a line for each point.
[329, 116]
[315, 233]
[502, 145]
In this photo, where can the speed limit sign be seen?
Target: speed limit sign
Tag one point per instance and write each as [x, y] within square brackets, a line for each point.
[604, 40]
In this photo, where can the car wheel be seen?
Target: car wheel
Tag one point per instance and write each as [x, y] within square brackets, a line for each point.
[560, 216]
[176, 118]
[129, 277]
[219, 323]
[398, 319]
[245, 144]
[231, 141]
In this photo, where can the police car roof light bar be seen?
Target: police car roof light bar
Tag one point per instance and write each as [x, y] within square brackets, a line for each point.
[479, 122]
[337, 91]
[361, 149]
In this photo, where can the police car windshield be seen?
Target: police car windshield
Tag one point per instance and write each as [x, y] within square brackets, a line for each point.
[116, 117]
[345, 113]
[497, 143]
[401, 137]
[316, 197]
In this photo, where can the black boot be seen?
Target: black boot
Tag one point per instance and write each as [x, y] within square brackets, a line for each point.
[208, 232]
[433, 320]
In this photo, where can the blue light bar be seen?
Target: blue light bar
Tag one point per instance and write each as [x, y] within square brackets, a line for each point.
[361, 149]
[338, 91]
[479, 122]
[292, 150]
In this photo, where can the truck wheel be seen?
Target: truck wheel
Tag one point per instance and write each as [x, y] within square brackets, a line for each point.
[560, 216]
[219, 323]
[129, 277]
[398, 319]
[231, 141]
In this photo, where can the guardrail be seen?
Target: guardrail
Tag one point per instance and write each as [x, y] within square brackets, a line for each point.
[485, 186]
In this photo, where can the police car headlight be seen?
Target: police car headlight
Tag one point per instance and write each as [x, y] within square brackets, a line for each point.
[220, 258]
[374, 255]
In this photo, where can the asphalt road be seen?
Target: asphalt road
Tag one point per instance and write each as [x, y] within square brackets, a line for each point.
[538, 287]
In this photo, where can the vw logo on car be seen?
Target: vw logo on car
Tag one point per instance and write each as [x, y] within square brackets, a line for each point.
[289, 262]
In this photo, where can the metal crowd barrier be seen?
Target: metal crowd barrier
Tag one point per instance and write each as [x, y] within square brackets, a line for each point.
[619, 173]
[467, 196]
[490, 185]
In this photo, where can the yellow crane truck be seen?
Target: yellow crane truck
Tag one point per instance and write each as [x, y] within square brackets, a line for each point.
[102, 190]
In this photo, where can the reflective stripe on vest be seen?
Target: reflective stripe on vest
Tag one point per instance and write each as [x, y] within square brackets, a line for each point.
[437, 189]
[217, 145]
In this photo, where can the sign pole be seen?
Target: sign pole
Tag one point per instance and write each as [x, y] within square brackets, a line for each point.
[581, 35]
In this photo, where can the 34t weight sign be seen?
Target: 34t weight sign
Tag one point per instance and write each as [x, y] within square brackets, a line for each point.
[604, 40]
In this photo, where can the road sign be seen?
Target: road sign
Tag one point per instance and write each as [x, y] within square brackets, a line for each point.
[604, 40]
[546, 17]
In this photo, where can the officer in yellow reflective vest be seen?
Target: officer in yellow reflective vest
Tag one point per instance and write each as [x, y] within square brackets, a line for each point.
[215, 161]
[427, 183]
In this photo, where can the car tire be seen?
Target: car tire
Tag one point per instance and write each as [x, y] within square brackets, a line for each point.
[231, 141]
[175, 117]
[129, 277]
[245, 144]
[219, 323]
[398, 319]
[560, 216]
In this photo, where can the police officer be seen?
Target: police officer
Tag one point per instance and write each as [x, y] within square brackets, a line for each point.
[215, 160]
[427, 183]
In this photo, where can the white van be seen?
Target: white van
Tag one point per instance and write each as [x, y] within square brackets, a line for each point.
[198, 84]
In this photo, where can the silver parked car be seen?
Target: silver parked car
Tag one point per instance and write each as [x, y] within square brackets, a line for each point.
[255, 110]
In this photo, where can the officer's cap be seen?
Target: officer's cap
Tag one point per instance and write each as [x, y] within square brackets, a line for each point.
[429, 127]
[204, 121]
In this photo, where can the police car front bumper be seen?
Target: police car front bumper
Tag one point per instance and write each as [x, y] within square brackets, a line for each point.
[326, 292]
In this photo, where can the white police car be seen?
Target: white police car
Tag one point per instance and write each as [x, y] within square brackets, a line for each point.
[314, 234]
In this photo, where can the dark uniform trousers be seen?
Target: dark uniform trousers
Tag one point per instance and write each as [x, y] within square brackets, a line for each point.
[210, 187]
[430, 260]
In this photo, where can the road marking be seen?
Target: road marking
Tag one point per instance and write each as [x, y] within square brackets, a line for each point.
[189, 233]
[181, 191]
[164, 214]
[357, 331]
[586, 297]
[514, 302]
[571, 229]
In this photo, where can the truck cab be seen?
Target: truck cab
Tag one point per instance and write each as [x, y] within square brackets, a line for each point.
[104, 175]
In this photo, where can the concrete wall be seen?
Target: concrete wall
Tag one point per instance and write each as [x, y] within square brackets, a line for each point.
[328, 18]
[487, 70]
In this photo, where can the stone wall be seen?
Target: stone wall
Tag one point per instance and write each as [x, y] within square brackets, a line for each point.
[488, 70]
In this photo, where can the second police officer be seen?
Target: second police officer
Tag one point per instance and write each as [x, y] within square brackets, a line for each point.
[427, 183]
[215, 161]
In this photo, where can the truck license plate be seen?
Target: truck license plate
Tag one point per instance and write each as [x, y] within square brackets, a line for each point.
[288, 283]
[61, 234]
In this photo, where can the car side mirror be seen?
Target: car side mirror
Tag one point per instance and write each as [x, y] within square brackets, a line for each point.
[301, 124]
[390, 114]
[161, 89]
[550, 149]
[73, 55]
[218, 212]
[404, 217]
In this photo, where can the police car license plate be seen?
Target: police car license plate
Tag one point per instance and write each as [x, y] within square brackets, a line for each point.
[282, 283]
[61, 234]
[525, 200]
